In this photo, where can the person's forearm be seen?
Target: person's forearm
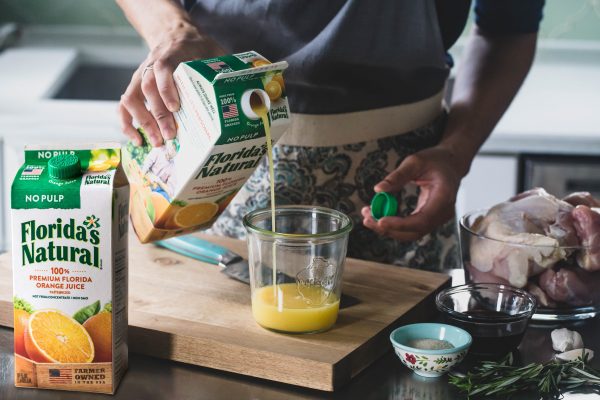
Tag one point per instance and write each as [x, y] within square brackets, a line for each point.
[490, 74]
[156, 19]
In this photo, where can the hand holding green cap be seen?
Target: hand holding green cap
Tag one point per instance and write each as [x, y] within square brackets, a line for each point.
[384, 205]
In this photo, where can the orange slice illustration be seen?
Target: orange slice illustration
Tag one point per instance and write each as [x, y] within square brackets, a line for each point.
[195, 214]
[52, 336]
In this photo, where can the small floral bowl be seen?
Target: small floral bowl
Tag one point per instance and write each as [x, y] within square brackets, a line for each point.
[430, 363]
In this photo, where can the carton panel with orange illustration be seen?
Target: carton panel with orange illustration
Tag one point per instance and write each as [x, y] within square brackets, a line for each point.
[184, 185]
[69, 244]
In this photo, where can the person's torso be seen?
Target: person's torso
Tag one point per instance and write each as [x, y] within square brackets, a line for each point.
[344, 55]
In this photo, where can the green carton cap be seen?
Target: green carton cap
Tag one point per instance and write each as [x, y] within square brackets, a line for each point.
[384, 205]
[64, 166]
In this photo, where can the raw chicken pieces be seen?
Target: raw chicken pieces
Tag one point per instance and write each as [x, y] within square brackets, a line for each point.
[543, 299]
[535, 224]
[582, 199]
[529, 240]
[571, 285]
[587, 225]
[484, 277]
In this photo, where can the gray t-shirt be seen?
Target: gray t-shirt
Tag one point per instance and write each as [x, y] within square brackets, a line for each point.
[344, 55]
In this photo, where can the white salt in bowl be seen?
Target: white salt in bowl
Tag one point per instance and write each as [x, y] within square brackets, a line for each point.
[434, 362]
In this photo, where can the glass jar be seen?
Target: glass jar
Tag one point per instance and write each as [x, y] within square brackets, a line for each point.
[296, 272]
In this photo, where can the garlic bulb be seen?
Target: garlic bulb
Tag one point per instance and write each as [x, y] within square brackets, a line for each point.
[565, 340]
[572, 355]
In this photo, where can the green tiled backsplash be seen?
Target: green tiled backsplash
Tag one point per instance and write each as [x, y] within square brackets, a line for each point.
[563, 19]
[63, 12]
[571, 19]
[568, 19]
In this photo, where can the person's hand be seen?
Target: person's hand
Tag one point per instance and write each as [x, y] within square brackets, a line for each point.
[436, 172]
[153, 82]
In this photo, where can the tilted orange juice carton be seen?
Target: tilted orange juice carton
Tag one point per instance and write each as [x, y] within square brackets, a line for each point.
[69, 253]
[185, 184]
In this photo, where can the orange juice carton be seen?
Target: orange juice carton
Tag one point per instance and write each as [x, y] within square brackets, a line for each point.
[69, 254]
[185, 184]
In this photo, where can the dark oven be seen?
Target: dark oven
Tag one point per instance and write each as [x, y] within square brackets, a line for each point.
[560, 174]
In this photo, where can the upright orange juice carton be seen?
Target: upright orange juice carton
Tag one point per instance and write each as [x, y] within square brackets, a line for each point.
[69, 252]
[184, 185]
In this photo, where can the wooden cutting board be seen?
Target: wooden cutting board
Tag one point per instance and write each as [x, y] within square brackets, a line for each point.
[185, 310]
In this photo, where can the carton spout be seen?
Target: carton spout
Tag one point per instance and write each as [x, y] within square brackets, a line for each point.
[255, 102]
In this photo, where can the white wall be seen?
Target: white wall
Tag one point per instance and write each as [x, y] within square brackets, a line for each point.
[492, 179]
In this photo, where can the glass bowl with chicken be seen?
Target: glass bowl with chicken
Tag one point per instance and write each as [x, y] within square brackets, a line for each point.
[545, 245]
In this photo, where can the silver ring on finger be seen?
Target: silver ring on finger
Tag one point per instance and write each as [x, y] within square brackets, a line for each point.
[147, 68]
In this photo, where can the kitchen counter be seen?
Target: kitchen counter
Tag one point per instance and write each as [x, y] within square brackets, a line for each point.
[555, 111]
[154, 379]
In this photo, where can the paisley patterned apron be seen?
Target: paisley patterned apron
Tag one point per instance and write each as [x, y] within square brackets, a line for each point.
[342, 177]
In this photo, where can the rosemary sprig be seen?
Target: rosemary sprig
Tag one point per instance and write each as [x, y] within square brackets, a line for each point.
[502, 378]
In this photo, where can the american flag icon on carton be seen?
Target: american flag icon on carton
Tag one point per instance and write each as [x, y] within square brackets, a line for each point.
[229, 111]
[32, 170]
[60, 375]
[219, 66]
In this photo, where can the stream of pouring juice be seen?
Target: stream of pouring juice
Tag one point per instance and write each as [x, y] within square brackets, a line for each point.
[284, 307]
[259, 107]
